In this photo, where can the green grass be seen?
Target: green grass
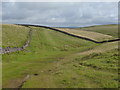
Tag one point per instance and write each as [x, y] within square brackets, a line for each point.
[102, 67]
[56, 58]
[104, 29]
[46, 47]
[107, 60]
[99, 72]
[88, 34]
[13, 35]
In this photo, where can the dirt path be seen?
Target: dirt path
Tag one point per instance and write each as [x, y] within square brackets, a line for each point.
[23, 81]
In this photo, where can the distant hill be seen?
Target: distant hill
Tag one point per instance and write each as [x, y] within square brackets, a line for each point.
[111, 29]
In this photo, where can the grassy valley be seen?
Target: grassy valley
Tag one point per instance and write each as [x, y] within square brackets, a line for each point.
[57, 60]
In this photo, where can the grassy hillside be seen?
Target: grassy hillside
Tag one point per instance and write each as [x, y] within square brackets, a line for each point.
[13, 35]
[88, 34]
[56, 60]
[96, 70]
[104, 29]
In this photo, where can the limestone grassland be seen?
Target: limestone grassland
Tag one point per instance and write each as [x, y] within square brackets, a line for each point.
[57, 60]
[13, 35]
[98, 33]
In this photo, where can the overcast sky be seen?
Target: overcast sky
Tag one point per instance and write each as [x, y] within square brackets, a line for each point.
[60, 13]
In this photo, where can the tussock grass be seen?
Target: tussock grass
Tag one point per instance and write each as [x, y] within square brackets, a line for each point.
[56, 60]
[13, 35]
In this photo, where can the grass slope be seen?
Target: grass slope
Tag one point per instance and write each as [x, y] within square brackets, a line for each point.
[76, 72]
[104, 29]
[46, 47]
[13, 35]
[56, 60]
[92, 35]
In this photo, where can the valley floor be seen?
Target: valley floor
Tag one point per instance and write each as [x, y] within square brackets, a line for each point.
[56, 60]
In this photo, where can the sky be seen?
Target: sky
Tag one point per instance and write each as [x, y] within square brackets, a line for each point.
[60, 14]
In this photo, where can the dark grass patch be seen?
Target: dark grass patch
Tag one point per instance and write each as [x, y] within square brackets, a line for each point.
[36, 74]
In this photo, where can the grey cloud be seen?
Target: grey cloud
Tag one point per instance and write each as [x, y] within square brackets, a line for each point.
[60, 14]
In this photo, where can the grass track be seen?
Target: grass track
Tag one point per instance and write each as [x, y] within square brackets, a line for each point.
[42, 50]
[55, 57]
